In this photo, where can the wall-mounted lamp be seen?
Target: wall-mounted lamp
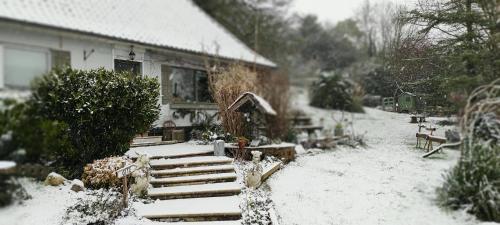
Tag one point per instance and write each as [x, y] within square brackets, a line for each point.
[131, 55]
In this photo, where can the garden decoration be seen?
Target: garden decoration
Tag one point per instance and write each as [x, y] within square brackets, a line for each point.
[254, 176]
[256, 111]
[126, 170]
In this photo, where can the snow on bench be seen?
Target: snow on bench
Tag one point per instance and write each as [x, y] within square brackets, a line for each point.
[195, 178]
[193, 170]
[194, 190]
[171, 151]
[191, 161]
[192, 208]
[7, 167]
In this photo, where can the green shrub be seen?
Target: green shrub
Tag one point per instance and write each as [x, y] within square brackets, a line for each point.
[474, 183]
[9, 116]
[43, 140]
[335, 92]
[103, 110]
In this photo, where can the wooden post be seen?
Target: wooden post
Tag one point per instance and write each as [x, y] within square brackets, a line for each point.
[125, 192]
[125, 188]
[123, 173]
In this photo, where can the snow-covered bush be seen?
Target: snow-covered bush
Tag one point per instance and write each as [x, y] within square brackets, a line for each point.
[102, 173]
[256, 203]
[256, 206]
[334, 92]
[103, 110]
[8, 118]
[22, 128]
[474, 183]
[207, 135]
[98, 207]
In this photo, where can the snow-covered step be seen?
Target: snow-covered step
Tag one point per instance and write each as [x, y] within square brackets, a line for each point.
[227, 222]
[220, 208]
[171, 151]
[199, 190]
[193, 170]
[205, 178]
[190, 161]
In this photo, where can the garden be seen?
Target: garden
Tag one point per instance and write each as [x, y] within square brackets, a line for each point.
[390, 116]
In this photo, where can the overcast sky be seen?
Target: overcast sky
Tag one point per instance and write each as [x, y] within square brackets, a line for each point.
[332, 11]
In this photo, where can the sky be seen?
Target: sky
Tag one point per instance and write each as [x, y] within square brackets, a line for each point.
[332, 11]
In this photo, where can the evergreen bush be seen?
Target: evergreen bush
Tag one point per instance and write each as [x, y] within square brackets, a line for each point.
[103, 110]
[474, 183]
[334, 92]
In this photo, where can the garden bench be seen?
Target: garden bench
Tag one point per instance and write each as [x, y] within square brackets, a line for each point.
[431, 138]
[420, 135]
[7, 167]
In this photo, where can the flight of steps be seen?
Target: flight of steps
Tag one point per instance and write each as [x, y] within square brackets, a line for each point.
[193, 190]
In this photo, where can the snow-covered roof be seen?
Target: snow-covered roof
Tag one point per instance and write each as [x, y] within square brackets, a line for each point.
[257, 100]
[177, 24]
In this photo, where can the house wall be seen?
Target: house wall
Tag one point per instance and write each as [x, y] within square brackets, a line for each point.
[105, 51]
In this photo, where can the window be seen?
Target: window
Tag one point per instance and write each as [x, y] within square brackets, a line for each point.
[126, 65]
[188, 85]
[21, 66]
[60, 58]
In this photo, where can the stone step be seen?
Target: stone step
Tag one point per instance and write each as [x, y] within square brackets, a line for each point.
[193, 209]
[179, 150]
[227, 222]
[190, 162]
[189, 171]
[195, 191]
[204, 178]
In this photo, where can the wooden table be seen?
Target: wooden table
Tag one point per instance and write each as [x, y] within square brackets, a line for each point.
[417, 118]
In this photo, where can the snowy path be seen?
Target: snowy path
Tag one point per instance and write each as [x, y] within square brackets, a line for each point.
[386, 183]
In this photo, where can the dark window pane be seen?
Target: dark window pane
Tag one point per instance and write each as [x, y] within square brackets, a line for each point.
[126, 65]
[60, 58]
[202, 89]
[183, 89]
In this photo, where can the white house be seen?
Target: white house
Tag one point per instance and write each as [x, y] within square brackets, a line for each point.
[168, 39]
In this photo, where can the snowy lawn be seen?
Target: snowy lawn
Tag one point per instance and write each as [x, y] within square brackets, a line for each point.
[385, 183]
[47, 205]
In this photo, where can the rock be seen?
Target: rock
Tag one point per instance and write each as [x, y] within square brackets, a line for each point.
[54, 179]
[77, 185]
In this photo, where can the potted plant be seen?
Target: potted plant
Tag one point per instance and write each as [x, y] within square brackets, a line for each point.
[339, 130]
[242, 142]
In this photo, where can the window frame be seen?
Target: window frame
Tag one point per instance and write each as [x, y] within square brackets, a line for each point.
[4, 46]
[176, 104]
[141, 65]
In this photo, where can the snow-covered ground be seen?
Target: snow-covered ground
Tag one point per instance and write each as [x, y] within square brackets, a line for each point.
[385, 183]
[47, 205]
